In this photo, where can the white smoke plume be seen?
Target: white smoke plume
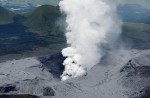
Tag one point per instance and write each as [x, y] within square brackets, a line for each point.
[90, 25]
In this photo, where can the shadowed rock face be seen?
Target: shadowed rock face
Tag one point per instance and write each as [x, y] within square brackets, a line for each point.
[48, 91]
[53, 64]
[18, 96]
[7, 88]
[144, 93]
[137, 76]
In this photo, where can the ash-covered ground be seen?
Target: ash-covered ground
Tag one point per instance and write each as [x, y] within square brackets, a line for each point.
[123, 74]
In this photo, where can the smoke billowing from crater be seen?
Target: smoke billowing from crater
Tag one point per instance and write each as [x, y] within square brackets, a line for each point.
[90, 25]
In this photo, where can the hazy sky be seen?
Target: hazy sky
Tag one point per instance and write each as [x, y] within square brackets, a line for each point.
[34, 2]
[145, 3]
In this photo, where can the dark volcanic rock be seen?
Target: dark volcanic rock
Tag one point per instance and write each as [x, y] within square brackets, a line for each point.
[143, 93]
[139, 66]
[53, 64]
[7, 88]
[130, 66]
[137, 75]
[48, 91]
[18, 96]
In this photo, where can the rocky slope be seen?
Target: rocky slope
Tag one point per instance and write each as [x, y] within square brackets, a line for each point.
[126, 78]
[125, 75]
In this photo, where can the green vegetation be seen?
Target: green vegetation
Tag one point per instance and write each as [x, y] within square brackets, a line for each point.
[38, 29]
[31, 30]
[6, 16]
[138, 31]
[136, 35]
[43, 22]
[43, 19]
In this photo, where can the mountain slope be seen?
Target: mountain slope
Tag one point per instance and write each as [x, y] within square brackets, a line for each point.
[136, 35]
[38, 28]
[30, 30]
[108, 81]
[6, 16]
[43, 20]
[126, 75]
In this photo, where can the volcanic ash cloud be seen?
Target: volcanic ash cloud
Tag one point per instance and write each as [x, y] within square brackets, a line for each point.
[90, 25]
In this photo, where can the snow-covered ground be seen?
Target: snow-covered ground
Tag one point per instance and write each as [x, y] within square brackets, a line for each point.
[116, 78]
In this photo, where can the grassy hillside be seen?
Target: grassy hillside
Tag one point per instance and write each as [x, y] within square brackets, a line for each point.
[136, 34]
[38, 29]
[43, 20]
[139, 31]
[6, 16]
[31, 30]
